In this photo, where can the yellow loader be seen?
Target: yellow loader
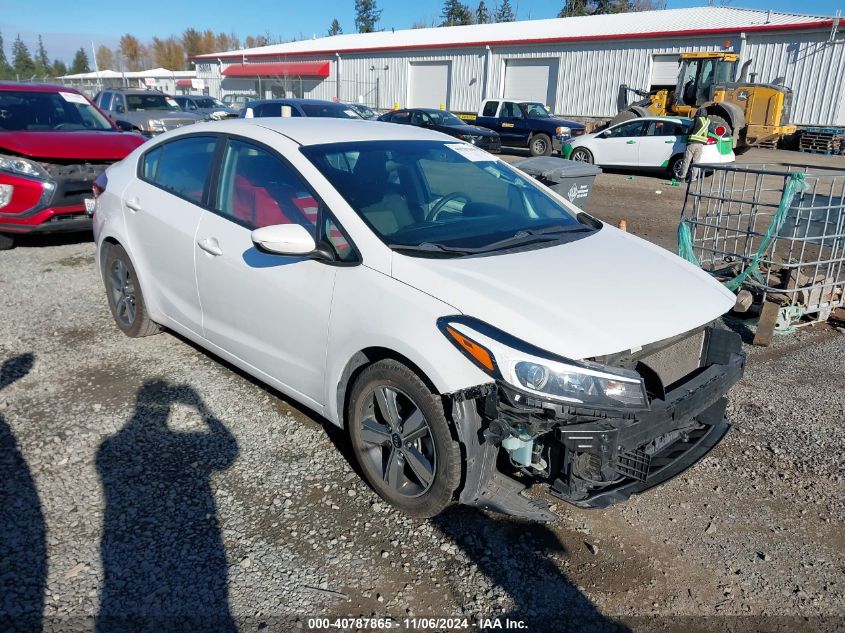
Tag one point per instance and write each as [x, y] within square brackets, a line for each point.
[754, 113]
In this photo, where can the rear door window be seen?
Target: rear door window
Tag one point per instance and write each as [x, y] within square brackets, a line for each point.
[490, 108]
[663, 128]
[182, 166]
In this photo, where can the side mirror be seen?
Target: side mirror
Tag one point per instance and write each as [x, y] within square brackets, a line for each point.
[124, 126]
[120, 109]
[292, 240]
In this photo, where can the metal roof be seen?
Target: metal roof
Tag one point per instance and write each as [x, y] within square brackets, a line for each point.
[645, 24]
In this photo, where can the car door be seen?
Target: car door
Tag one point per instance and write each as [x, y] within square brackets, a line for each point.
[269, 311]
[511, 124]
[162, 208]
[661, 139]
[619, 145]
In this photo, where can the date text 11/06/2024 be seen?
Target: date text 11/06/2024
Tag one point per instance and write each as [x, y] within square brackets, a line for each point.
[414, 624]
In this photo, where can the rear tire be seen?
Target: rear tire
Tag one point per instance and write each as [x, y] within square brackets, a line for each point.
[7, 242]
[582, 155]
[675, 166]
[540, 145]
[126, 301]
[402, 440]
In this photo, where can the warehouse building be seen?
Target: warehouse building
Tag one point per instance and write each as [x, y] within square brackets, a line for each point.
[580, 66]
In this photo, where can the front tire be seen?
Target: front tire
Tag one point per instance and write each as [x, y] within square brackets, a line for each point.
[582, 155]
[540, 145]
[7, 242]
[126, 301]
[402, 440]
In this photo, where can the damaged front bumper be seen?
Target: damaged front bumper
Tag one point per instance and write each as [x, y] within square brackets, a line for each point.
[593, 458]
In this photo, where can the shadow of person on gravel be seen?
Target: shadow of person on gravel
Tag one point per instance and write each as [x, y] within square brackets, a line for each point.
[164, 563]
[516, 557]
[23, 547]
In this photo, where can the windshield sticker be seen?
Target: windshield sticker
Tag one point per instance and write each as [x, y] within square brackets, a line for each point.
[72, 97]
[173, 103]
[471, 152]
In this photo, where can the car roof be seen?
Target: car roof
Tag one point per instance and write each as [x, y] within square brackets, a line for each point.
[299, 101]
[19, 87]
[319, 130]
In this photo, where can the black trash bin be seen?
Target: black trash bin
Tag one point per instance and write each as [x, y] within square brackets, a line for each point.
[571, 179]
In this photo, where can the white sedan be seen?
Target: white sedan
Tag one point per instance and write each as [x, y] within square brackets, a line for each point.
[457, 318]
[655, 143]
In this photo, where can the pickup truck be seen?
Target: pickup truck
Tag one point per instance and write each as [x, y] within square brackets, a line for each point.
[525, 124]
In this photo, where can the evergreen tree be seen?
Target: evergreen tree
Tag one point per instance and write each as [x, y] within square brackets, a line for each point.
[367, 15]
[59, 68]
[6, 70]
[455, 13]
[80, 62]
[42, 61]
[335, 29]
[22, 60]
[482, 14]
[505, 13]
[573, 8]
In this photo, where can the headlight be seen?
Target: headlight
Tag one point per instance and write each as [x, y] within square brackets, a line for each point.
[470, 138]
[23, 167]
[534, 371]
[563, 131]
[156, 125]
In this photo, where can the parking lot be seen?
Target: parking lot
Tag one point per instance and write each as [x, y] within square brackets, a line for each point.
[224, 497]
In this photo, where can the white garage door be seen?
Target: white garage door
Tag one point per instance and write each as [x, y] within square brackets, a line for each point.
[531, 80]
[429, 85]
[664, 70]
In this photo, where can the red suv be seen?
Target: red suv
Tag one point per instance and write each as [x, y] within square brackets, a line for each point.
[53, 143]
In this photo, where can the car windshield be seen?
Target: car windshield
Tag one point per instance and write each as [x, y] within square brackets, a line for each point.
[141, 102]
[442, 198]
[536, 111]
[330, 110]
[208, 102]
[445, 118]
[61, 111]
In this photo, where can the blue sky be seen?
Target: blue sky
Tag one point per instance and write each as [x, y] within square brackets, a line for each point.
[67, 25]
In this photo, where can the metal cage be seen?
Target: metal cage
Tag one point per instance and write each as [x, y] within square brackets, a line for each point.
[777, 230]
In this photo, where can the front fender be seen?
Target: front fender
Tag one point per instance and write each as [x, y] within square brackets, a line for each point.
[371, 310]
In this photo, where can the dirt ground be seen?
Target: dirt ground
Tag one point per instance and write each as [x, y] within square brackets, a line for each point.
[147, 477]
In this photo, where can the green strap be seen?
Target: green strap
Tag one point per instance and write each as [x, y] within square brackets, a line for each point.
[795, 184]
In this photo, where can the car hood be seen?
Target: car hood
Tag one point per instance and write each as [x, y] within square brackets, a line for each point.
[606, 293]
[93, 146]
[564, 123]
[471, 129]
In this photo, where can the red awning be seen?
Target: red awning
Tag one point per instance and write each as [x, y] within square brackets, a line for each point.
[184, 83]
[290, 69]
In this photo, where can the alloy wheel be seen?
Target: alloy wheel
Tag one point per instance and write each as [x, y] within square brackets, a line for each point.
[396, 441]
[122, 290]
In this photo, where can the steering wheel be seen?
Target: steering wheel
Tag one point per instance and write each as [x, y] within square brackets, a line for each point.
[441, 204]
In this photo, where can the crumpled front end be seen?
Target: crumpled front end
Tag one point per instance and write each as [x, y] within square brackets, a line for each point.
[590, 457]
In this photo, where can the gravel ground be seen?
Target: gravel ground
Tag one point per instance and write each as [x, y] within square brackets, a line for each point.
[145, 477]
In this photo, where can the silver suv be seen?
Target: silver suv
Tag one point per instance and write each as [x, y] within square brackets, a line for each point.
[148, 112]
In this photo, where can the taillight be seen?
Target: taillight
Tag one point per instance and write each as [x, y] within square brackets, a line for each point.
[711, 140]
[721, 130]
[99, 185]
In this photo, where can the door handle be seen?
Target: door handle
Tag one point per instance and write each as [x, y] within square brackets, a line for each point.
[210, 245]
[630, 142]
[672, 142]
[133, 204]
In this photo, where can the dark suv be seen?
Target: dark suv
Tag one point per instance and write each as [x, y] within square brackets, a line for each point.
[53, 144]
[148, 112]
